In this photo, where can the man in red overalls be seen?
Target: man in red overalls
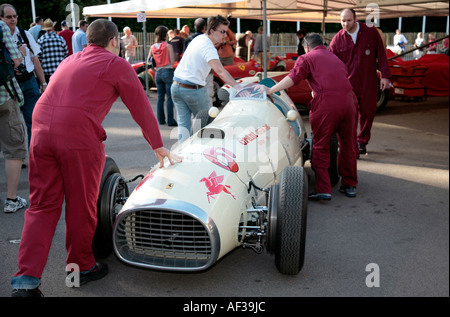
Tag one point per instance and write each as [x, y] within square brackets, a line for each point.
[361, 49]
[333, 110]
[67, 153]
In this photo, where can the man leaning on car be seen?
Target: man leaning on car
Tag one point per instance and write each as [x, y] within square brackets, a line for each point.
[67, 154]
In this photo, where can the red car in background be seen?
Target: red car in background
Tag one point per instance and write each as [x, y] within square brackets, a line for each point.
[278, 68]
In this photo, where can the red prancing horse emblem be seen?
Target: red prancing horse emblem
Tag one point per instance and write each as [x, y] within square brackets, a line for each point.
[213, 183]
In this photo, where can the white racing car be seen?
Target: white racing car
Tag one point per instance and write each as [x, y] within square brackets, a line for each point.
[241, 183]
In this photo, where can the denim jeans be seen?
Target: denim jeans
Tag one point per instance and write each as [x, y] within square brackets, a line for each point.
[31, 282]
[31, 94]
[25, 282]
[164, 79]
[188, 102]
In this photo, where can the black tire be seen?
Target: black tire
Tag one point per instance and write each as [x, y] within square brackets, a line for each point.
[382, 99]
[217, 84]
[201, 120]
[112, 187]
[272, 203]
[140, 69]
[333, 170]
[291, 221]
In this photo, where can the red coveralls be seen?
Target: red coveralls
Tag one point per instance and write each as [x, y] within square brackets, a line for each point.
[67, 154]
[333, 110]
[361, 60]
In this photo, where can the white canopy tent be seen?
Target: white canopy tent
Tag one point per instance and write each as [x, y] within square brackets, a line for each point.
[277, 10]
[324, 11]
[131, 9]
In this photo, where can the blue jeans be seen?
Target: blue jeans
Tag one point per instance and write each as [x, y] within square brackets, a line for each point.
[31, 282]
[164, 79]
[31, 94]
[25, 282]
[188, 102]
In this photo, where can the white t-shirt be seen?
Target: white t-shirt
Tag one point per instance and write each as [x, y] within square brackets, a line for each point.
[194, 65]
[354, 34]
[34, 46]
[400, 38]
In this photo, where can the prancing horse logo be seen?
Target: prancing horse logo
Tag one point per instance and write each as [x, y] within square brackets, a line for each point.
[213, 183]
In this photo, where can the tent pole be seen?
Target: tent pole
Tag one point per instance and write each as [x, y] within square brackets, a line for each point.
[264, 39]
[144, 31]
[33, 10]
[325, 5]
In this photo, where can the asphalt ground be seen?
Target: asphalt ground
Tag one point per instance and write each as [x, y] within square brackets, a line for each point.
[392, 240]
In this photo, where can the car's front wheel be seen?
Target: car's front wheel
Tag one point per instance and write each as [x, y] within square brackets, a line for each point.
[291, 220]
[112, 195]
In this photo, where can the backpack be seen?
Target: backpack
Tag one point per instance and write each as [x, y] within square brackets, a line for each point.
[6, 69]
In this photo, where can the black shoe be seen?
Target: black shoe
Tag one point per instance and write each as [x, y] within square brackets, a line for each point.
[173, 124]
[362, 148]
[99, 271]
[35, 292]
[349, 191]
[316, 196]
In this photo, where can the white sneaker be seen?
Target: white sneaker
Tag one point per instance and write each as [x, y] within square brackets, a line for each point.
[13, 206]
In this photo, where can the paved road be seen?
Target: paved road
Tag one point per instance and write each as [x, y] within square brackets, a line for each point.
[398, 225]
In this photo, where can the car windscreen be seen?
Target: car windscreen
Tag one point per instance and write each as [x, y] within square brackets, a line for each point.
[249, 92]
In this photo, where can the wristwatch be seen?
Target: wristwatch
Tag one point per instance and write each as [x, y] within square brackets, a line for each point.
[44, 84]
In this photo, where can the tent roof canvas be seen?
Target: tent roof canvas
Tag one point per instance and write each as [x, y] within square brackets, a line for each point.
[276, 10]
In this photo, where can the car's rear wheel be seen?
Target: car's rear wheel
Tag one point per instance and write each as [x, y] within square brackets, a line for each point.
[201, 120]
[217, 84]
[291, 220]
[382, 99]
[112, 195]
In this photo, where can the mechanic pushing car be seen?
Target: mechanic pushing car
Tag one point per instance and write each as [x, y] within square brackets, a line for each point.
[361, 49]
[333, 110]
[67, 154]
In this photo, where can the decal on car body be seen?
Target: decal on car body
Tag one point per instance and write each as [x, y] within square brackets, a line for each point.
[215, 187]
[222, 157]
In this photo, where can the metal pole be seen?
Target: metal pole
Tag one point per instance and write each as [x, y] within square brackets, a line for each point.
[424, 22]
[144, 27]
[109, 2]
[33, 10]
[446, 29]
[264, 39]
[72, 14]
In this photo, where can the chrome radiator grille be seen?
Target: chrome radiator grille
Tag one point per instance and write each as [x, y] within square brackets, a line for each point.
[163, 239]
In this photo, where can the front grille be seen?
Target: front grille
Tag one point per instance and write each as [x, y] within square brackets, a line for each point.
[163, 239]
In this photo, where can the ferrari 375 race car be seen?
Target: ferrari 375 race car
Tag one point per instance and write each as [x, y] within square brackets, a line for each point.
[242, 182]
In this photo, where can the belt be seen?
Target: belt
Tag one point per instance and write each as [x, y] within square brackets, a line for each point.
[187, 86]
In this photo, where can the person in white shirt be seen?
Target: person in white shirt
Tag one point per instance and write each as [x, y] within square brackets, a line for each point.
[417, 43]
[189, 93]
[400, 42]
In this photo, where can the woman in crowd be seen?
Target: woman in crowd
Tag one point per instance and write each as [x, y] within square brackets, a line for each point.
[164, 57]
